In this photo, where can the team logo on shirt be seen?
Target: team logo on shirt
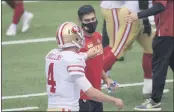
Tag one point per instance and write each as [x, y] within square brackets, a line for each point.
[90, 45]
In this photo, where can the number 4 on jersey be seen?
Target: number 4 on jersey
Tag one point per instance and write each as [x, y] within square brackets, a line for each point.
[50, 79]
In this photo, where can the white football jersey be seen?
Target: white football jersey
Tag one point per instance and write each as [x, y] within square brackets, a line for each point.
[63, 91]
[134, 5]
[111, 4]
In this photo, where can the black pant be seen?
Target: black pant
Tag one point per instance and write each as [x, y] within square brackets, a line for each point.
[90, 106]
[163, 56]
[105, 39]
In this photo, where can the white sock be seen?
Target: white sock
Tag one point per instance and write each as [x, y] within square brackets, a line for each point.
[25, 13]
[147, 87]
[13, 26]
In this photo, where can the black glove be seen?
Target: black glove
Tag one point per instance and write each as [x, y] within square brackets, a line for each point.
[147, 27]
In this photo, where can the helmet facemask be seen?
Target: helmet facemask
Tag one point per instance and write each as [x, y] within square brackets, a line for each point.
[80, 42]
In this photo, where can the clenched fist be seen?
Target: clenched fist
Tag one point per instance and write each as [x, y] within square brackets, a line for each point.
[119, 103]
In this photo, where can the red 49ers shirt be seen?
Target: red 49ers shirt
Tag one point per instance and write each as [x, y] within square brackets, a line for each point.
[94, 66]
[164, 20]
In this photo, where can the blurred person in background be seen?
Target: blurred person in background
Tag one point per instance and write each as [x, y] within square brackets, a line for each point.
[126, 35]
[18, 13]
[110, 11]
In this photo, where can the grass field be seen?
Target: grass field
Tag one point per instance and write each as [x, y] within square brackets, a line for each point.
[23, 64]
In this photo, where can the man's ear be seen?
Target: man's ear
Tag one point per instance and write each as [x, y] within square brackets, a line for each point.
[79, 21]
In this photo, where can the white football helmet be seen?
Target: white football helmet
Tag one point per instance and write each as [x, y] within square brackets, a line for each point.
[69, 35]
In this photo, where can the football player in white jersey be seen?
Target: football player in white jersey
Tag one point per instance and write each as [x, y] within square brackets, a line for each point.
[65, 72]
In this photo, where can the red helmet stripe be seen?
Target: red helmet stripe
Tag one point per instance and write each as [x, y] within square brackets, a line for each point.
[60, 33]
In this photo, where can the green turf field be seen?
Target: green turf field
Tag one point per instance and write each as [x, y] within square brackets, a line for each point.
[23, 64]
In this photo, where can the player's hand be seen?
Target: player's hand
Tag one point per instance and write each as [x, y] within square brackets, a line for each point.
[119, 103]
[109, 81]
[94, 51]
[131, 17]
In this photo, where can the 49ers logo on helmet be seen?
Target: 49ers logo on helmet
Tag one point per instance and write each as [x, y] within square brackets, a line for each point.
[75, 29]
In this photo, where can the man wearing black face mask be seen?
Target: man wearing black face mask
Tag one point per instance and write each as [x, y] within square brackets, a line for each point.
[94, 66]
[89, 25]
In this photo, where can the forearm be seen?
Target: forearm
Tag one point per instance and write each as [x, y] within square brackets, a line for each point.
[104, 75]
[157, 8]
[98, 96]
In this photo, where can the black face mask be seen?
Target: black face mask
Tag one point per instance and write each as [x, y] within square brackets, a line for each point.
[91, 26]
